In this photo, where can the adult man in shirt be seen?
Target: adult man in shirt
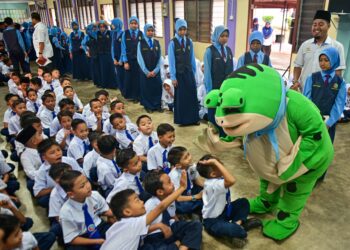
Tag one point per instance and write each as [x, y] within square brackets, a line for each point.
[15, 46]
[306, 61]
[41, 42]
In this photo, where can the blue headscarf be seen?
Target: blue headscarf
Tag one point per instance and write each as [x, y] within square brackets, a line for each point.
[145, 28]
[134, 18]
[53, 31]
[180, 23]
[333, 56]
[217, 33]
[267, 31]
[256, 35]
[74, 23]
[89, 29]
[25, 25]
[118, 24]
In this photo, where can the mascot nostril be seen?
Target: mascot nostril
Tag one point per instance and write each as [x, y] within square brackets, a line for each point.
[288, 147]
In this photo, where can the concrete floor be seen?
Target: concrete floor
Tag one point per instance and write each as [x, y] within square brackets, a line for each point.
[324, 222]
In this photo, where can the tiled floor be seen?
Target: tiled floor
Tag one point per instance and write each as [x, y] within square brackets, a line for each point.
[324, 222]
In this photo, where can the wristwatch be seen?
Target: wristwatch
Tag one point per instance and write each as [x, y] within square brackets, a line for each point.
[193, 198]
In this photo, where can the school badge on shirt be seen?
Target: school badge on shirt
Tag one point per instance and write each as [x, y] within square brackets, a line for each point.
[91, 228]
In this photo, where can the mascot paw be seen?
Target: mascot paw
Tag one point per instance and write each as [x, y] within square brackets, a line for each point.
[210, 141]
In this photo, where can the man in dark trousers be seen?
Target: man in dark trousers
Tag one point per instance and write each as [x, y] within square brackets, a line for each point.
[15, 46]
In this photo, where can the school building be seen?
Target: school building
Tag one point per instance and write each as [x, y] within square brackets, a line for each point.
[293, 19]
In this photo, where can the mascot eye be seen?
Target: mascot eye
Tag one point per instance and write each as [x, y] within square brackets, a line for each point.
[229, 111]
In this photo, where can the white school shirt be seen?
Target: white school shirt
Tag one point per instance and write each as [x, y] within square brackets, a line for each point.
[5, 197]
[42, 178]
[57, 198]
[8, 114]
[72, 217]
[56, 126]
[6, 69]
[141, 143]
[92, 120]
[13, 88]
[166, 98]
[28, 242]
[126, 234]
[47, 86]
[108, 127]
[201, 94]
[155, 156]
[308, 54]
[125, 181]
[214, 198]
[40, 93]
[152, 203]
[31, 162]
[106, 172]
[90, 161]
[14, 125]
[77, 103]
[58, 91]
[175, 175]
[76, 148]
[122, 139]
[30, 105]
[4, 167]
[46, 117]
[60, 136]
[87, 110]
[3, 185]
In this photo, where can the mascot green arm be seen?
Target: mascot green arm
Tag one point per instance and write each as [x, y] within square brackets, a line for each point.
[310, 127]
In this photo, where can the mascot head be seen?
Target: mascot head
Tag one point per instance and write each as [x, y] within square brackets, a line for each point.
[250, 100]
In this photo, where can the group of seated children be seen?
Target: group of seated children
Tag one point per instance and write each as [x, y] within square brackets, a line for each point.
[106, 181]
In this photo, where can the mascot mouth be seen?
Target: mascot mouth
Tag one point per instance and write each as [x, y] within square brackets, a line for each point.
[239, 124]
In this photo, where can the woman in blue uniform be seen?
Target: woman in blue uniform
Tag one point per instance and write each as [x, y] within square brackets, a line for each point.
[218, 64]
[66, 63]
[31, 50]
[130, 39]
[106, 67]
[117, 28]
[89, 45]
[182, 67]
[149, 59]
[56, 47]
[77, 54]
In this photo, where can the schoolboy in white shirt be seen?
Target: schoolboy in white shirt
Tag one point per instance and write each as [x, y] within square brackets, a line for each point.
[96, 120]
[125, 132]
[90, 159]
[65, 134]
[117, 106]
[48, 113]
[157, 157]
[14, 126]
[79, 145]
[33, 103]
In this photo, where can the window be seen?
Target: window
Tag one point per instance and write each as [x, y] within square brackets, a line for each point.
[67, 13]
[107, 11]
[17, 15]
[42, 10]
[53, 16]
[201, 15]
[149, 11]
[116, 8]
[86, 13]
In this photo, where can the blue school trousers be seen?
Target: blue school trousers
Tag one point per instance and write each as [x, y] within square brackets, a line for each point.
[43, 201]
[45, 240]
[221, 226]
[189, 233]
[189, 207]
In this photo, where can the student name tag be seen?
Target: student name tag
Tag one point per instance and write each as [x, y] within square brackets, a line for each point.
[156, 48]
[140, 38]
[335, 86]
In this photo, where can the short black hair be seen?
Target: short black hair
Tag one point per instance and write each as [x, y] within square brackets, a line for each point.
[54, 70]
[152, 181]
[175, 154]
[141, 117]
[25, 79]
[32, 90]
[93, 136]
[115, 116]
[57, 169]
[36, 81]
[164, 128]
[50, 92]
[9, 96]
[64, 102]
[93, 100]
[101, 92]
[64, 113]
[76, 122]
[46, 96]
[8, 223]
[46, 71]
[8, 20]
[64, 78]
[114, 103]
[124, 156]
[68, 178]
[18, 102]
[15, 73]
[28, 120]
[107, 144]
[119, 202]
[205, 170]
[46, 145]
[36, 16]
[67, 87]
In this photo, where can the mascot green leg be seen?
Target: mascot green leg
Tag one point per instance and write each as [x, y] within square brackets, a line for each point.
[265, 202]
[290, 205]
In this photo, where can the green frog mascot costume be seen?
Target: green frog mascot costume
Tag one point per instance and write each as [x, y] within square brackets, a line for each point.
[286, 141]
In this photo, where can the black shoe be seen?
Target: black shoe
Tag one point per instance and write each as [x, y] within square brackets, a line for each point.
[4, 153]
[160, 110]
[239, 242]
[149, 111]
[251, 223]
